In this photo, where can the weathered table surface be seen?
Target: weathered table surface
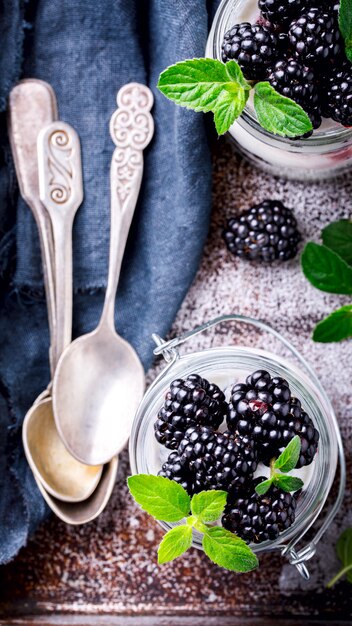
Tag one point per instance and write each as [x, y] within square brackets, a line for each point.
[106, 572]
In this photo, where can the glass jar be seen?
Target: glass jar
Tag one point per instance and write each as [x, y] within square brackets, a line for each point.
[225, 366]
[326, 154]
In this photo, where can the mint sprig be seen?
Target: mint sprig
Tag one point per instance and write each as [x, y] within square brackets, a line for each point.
[278, 114]
[175, 543]
[168, 501]
[228, 551]
[160, 497]
[344, 553]
[335, 327]
[208, 506]
[329, 267]
[338, 237]
[286, 462]
[207, 85]
[288, 458]
[210, 85]
[326, 270]
[345, 24]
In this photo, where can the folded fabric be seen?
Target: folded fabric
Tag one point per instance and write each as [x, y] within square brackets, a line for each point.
[87, 50]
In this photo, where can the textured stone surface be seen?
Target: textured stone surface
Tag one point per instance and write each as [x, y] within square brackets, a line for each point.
[109, 566]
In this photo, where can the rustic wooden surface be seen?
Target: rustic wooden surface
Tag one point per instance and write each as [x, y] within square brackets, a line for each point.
[106, 573]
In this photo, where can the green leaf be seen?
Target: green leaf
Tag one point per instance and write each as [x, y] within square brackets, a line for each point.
[288, 459]
[344, 547]
[229, 551]
[278, 114]
[288, 483]
[344, 553]
[208, 506]
[263, 487]
[174, 543]
[326, 270]
[335, 327]
[162, 498]
[344, 550]
[345, 23]
[207, 85]
[338, 237]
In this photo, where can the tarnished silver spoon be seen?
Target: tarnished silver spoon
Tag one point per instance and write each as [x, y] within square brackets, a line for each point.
[61, 191]
[32, 106]
[99, 380]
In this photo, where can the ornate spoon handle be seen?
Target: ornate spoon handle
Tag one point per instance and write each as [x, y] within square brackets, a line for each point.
[131, 129]
[61, 191]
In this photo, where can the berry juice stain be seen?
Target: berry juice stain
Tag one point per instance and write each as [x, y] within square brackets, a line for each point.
[258, 406]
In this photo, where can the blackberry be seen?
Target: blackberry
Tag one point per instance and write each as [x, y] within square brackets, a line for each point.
[315, 37]
[316, 119]
[298, 82]
[338, 95]
[254, 47]
[176, 469]
[217, 460]
[188, 402]
[266, 232]
[281, 12]
[259, 518]
[264, 409]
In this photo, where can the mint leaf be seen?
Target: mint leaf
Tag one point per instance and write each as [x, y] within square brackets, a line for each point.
[344, 553]
[160, 497]
[345, 24]
[207, 506]
[207, 85]
[278, 114]
[288, 459]
[344, 550]
[174, 543]
[336, 327]
[338, 237]
[326, 270]
[263, 487]
[229, 551]
[288, 483]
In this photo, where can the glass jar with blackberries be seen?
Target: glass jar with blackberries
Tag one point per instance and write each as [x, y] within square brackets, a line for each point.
[219, 417]
[298, 48]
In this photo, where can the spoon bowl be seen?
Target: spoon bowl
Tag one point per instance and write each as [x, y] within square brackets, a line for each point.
[105, 371]
[59, 472]
[83, 512]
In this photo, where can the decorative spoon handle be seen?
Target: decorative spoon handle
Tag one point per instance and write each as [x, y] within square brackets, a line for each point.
[32, 106]
[61, 191]
[131, 129]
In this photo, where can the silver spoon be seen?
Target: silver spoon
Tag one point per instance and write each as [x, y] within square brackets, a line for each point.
[60, 473]
[32, 105]
[99, 380]
[61, 191]
[84, 512]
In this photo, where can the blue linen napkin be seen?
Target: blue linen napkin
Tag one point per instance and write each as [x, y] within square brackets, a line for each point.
[87, 50]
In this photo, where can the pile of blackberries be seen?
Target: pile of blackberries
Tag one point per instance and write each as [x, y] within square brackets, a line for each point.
[297, 46]
[218, 445]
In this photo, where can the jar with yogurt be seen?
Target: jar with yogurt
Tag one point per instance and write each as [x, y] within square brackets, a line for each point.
[326, 154]
[225, 366]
